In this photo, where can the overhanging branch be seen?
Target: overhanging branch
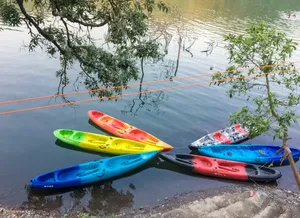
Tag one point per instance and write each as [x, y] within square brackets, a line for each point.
[56, 12]
[38, 28]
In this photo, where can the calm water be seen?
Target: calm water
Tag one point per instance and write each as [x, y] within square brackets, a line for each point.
[178, 116]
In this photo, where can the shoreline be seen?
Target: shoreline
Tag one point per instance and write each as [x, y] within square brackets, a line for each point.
[233, 201]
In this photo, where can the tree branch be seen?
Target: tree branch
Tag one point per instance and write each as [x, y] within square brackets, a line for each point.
[67, 32]
[275, 115]
[56, 12]
[38, 28]
[249, 59]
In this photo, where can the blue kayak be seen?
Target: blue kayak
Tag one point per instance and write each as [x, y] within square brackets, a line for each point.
[90, 172]
[248, 153]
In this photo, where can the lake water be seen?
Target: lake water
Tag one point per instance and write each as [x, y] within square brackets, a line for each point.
[177, 116]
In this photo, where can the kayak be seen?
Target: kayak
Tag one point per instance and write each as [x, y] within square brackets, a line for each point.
[90, 172]
[223, 168]
[102, 143]
[248, 153]
[125, 130]
[230, 135]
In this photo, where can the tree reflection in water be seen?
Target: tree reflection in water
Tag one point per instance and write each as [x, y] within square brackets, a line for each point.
[98, 198]
[148, 99]
[102, 198]
[107, 200]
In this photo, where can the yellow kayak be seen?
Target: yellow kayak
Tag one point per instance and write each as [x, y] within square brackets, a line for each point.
[103, 143]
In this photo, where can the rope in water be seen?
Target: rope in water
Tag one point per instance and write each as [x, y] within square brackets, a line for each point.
[137, 84]
[135, 93]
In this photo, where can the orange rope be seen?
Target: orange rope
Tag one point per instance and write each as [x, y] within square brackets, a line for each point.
[135, 93]
[137, 84]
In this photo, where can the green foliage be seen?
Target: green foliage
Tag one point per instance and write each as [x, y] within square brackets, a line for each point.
[65, 32]
[9, 13]
[273, 110]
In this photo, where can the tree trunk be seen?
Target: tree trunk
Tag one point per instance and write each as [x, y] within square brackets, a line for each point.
[294, 168]
[287, 153]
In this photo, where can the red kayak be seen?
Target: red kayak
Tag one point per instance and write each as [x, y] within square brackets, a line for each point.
[223, 168]
[124, 130]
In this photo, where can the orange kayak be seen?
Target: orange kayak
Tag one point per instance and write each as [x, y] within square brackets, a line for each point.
[125, 130]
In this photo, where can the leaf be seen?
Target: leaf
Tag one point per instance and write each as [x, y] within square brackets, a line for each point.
[271, 47]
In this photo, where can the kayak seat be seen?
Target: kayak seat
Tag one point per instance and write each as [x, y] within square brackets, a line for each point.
[97, 114]
[66, 133]
[78, 136]
[89, 172]
[66, 174]
[240, 129]
[221, 137]
[138, 134]
[118, 124]
[49, 177]
[231, 153]
[128, 162]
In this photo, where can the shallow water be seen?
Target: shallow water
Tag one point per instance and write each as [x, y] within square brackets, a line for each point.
[177, 116]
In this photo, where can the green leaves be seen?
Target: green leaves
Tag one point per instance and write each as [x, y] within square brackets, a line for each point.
[256, 123]
[163, 7]
[65, 33]
[263, 49]
[10, 14]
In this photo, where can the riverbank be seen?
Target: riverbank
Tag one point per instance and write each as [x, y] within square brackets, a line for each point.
[234, 202]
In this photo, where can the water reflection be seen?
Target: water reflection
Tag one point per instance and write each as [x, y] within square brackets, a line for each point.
[107, 200]
[204, 21]
[102, 198]
[149, 100]
[42, 202]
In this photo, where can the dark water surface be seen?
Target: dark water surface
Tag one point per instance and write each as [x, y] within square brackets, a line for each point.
[178, 116]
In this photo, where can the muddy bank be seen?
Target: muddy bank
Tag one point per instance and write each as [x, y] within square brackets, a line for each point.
[240, 201]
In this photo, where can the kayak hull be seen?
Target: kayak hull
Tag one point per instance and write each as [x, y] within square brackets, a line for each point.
[102, 143]
[230, 135]
[249, 153]
[124, 130]
[223, 168]
[91, 172]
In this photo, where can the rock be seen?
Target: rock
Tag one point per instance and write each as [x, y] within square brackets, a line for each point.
[177, 213]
